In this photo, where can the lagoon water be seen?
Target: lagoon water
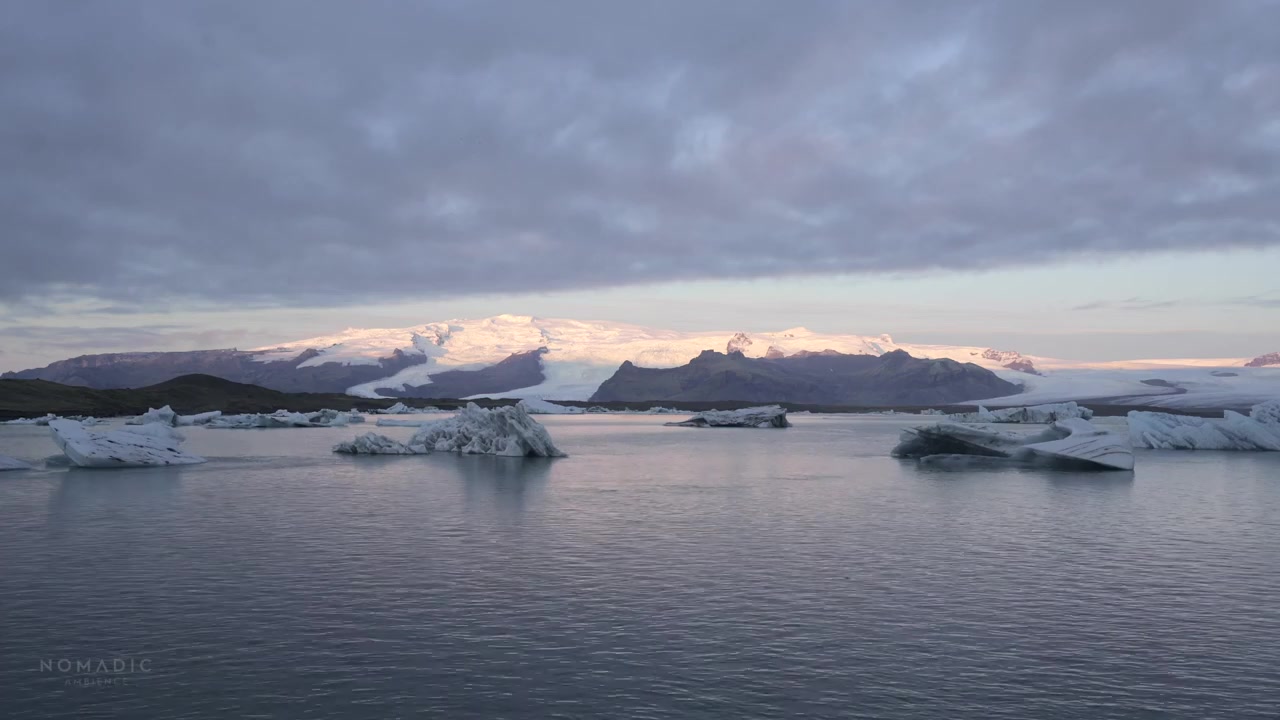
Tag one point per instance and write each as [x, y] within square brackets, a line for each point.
[655, 573]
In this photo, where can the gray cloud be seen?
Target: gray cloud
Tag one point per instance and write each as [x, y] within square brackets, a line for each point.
[306, 152]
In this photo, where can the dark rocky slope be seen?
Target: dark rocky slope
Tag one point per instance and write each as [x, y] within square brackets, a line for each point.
[140, 369]
[826, 378]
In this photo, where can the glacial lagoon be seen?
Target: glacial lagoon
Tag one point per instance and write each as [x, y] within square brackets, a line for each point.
[655, 572]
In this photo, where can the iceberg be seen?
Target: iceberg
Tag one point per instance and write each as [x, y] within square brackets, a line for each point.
[397, 422]
[43, 420]
[769, 416]
[535, 406]
[1259, 430]
[8, 463]
[142, 446]
[1069, 443]
[1051, 412]
[402, 409]
[373, 444]
[167, 416]
[284, 419]
[508, 431]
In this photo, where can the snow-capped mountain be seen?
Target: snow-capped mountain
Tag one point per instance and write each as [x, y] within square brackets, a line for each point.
[561, 359]
[580, 355]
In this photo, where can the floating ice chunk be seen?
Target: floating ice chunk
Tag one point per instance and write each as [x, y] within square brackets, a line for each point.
[1051, 412]
[474, 430]
[1260, 430]
[203, 418]
[496, 431]
[167, 416]
[133, 447]
[43, 420]
[283, 419]
[536, 406]
[402, 409]
[398, 422]
[157, 430]
[373, 444]
[769, 416]
[1070, 443]
[8, 463]
[164, 415]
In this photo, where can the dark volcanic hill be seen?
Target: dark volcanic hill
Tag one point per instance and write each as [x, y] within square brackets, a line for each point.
[140, 369]
[828, 378]
[1264, 360]
[137, 370]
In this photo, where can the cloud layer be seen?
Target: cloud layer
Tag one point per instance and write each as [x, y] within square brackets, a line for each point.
[303, 152]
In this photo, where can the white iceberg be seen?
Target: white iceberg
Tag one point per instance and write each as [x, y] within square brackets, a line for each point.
[142, 446]
[167, 416]
[1051, 412]
[8, 463]
[1069, 443]
[284, 419]
[769, 416]
[373, 444]
[536, 406]
[401, 409]
[43, 420]
[506, 431]
[399, 422]
[1259, 430]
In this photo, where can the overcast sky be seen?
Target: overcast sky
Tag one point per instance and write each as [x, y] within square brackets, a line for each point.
[193, 174]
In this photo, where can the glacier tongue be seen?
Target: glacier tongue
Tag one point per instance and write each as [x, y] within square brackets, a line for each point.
[1260, 430]
[142, 446]
[536, 406]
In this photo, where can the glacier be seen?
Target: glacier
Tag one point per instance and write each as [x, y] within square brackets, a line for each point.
[1071, 443]
[508, 431]
[768, 416]
[137, 446]
[1041, 414]
[1259, 430]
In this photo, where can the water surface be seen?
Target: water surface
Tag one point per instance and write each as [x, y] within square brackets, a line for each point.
[657, 572]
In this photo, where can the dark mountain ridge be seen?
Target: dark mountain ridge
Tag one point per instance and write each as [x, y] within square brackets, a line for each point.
[827, 377]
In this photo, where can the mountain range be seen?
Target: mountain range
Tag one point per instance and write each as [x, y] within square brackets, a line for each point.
[523, 356]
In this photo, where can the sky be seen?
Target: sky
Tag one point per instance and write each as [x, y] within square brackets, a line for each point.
[1079, 180]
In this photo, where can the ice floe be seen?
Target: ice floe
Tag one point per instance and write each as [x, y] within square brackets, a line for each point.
[1259, 430]
[8, 463]
[167, 416]
[373, 444]
[285, 419]
[402, 409]
[769, 416]
[474, 430]
[42, 420]
[536, 406]
[140, 446]
[1068, 443]
[1047, 413]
